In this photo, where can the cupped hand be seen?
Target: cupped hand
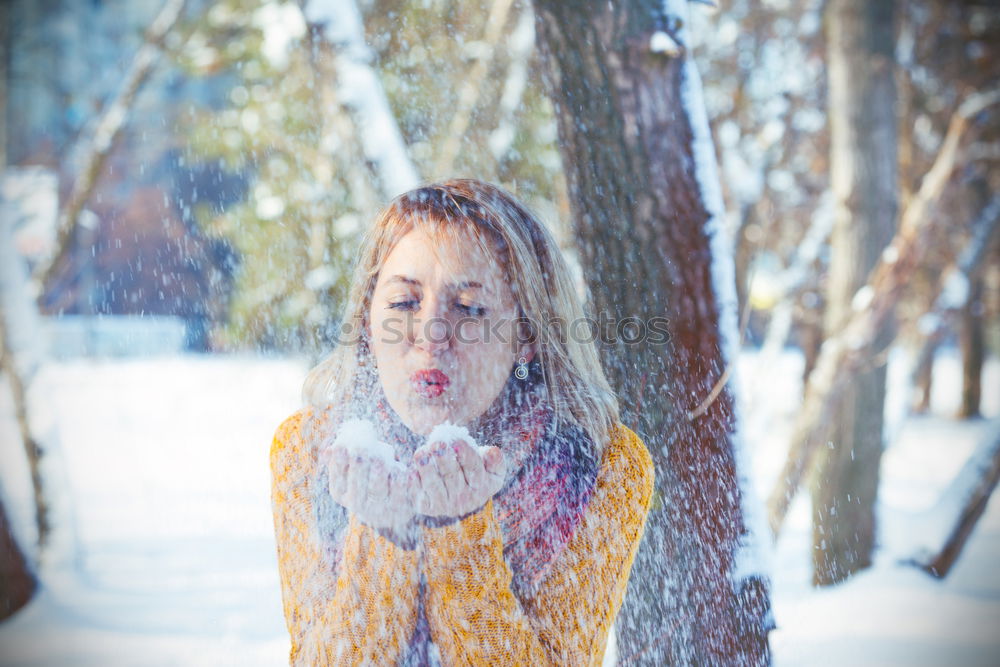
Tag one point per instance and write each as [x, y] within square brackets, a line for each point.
[380, 494]
[455, 479]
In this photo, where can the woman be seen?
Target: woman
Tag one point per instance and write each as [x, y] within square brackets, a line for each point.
[516, 551]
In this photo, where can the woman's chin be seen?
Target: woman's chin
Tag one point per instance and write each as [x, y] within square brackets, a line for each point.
[421, 418]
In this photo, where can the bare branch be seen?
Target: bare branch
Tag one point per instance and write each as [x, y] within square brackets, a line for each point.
[109, 125]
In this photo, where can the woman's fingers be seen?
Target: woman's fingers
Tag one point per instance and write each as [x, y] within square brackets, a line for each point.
[456, 479]
[461, 489]
[380, 492]
[446, 479]
[494, 464]
[450, 469]
[472, 465]
[485, 470]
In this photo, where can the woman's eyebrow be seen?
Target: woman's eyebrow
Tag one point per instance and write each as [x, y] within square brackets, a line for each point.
[402, 279]
[465, 284]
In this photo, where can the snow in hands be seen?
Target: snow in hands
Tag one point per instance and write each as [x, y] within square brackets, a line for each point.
[358, 436]
[448, 432]
[366, 478]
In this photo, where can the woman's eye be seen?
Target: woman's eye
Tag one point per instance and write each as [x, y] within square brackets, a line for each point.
[414, 304]
[469, 309]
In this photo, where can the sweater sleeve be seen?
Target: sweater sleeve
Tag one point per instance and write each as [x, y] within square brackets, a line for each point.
[476, 619]
[358, 609]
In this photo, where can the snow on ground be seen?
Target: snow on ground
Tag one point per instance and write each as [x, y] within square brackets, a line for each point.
[168, 469]
[171, 557]
[891, 614]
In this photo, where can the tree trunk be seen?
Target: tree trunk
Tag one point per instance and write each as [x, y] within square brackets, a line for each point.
[647, 214]
[972, 344]
[923, 377]
[956, 298]
[21, 354]
[17, 583]
[860, 43]
[810, 340]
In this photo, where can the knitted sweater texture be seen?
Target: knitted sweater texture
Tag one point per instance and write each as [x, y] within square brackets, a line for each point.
[360, 608]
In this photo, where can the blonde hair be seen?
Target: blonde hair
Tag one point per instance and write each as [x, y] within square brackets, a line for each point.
[568, 371]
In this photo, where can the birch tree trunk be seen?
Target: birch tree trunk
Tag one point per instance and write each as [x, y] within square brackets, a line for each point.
[860, 43]
[361, 93]
[646, 206]
[21, 355]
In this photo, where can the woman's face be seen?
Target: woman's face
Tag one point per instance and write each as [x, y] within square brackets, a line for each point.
[442, 329]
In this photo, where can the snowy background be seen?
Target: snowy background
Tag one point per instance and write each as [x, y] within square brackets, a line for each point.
[165, 554]
[248, 138]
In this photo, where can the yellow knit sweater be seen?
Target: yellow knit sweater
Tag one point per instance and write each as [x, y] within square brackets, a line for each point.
[365, 610]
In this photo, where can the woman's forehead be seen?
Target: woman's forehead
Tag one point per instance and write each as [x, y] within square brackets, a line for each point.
[456, 258]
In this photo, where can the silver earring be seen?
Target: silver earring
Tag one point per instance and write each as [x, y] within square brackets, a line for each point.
[521, 372]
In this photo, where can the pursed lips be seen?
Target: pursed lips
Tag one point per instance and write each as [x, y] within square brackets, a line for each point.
[430, 382]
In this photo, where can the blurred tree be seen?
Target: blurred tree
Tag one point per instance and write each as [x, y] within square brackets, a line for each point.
[90, 95]
[971, 344]
[295, 126]
[971, 325]
[860, 46]
[17, 580]
[281, 130]
[17, 583]
[947, 51]
[431, 55]
[848, 352]
[22, 352]
[106, 129]
[647, 217]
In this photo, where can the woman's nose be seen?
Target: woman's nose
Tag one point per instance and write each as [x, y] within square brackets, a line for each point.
[432, 335]
[431, 331]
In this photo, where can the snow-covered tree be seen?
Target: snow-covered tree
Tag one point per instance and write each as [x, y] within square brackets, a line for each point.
[647, 215]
